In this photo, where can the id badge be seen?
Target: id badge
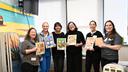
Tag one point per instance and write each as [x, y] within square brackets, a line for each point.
[33, 59]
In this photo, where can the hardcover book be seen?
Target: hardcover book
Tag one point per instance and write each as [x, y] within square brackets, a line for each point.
[99, 41]
[40, 48]
[72, 39]
[89, 43]
[49, 41]
[61, 43]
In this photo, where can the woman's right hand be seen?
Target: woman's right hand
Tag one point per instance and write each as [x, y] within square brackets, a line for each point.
[34, 49]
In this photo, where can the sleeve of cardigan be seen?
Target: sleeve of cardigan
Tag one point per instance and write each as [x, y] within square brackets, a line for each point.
[82, 38]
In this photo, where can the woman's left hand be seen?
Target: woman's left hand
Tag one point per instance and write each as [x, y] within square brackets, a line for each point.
[79, 44]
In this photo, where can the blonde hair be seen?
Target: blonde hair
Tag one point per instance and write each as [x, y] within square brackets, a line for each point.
[14, 40]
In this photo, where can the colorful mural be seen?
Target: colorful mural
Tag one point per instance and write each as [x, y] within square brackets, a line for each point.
[13, 20]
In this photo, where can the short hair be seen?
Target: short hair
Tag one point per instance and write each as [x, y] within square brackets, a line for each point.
[57, 24]
[94, 22]
[44, 23]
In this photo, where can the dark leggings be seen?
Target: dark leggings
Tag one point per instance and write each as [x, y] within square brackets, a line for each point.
[74, 62]
[93, 60]
[58, 63]
[26, 67]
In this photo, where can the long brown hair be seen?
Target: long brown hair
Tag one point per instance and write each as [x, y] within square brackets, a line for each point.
[111, 35]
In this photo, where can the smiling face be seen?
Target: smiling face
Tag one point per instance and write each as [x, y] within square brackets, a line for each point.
[72, 27]
[45, 27]
[108, 27]
[57, 28]
[92, 26]
[32, 34]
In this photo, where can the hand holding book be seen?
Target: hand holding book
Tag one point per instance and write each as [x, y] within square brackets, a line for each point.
[40, 48]
[61, 43]
[89, 43]
[79, 44]
[72, 40]
[99, 42]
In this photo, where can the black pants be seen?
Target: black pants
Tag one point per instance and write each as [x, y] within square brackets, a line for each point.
[58, 63]
[26, 67]
[106, 61]
[93, 60]
[74, 62]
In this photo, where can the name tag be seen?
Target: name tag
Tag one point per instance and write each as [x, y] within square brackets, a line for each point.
[33, 59]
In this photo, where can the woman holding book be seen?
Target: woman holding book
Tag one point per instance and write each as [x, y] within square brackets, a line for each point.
[30, 59]
[48, 40]
[93, 54]
[75, 41]
[58, 54]
[113, 42]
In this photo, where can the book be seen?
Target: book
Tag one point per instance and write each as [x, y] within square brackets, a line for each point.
[40, 48]
[49, 41]
[99, 41]
[61, 43]
[89, 43]
[71, 39]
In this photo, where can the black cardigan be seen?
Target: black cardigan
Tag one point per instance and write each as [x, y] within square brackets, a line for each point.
[80, 38]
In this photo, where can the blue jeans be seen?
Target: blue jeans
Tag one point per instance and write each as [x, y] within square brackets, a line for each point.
[45, 62]
[16, 66]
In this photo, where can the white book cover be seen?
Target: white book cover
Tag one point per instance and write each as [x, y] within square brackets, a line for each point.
[72, 39]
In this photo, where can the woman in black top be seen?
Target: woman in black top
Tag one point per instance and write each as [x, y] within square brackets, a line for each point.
[58, 55]
[74, 52]
[93, 56]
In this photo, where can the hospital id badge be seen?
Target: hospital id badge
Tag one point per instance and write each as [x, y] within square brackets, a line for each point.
[33, 59]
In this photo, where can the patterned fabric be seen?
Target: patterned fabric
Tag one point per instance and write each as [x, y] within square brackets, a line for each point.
[15, 54]
[29, 58]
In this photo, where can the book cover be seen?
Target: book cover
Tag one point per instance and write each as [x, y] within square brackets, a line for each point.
[49, 41]
[89, 43]
[61, 43]
[40, 48]
[72, 39]
[99, 41]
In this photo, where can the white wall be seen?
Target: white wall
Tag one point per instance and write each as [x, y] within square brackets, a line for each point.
[117, 11]
[83, 11]
[123, 53]
[52, 11]
[79, 11]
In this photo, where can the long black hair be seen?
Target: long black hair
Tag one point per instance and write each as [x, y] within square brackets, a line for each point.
[27, 37]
